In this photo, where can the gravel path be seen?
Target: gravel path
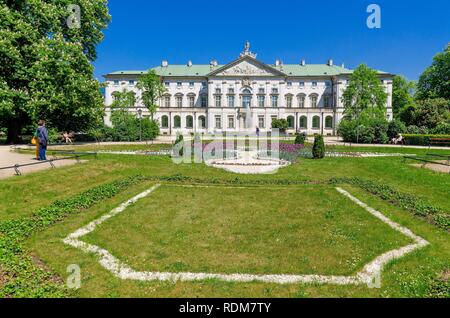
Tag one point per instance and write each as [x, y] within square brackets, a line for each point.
[10, 158]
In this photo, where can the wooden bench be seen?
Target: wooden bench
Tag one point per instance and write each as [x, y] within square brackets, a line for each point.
[438, 141]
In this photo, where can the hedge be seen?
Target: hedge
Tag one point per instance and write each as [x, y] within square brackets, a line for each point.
[432, 214]
[422, 140]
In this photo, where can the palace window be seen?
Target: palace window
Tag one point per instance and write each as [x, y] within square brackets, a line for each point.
[204, 84]
[291, 122]
[246, 101]
[327, 83]
[313, 100]
[191, 84]
[218, 100]
[179, 101]
[218, 122]
[167, 84]
[231, 122]
[177, 122]
[189, 122]
[166, 101]
[131, 82]
[274, 90]
[179, 84]
[116, 82]
[202, 122]
[218, 91]
[314, 84]
[302, 84]
[289, 101]
[230, 100]
[326, 101]
[231, 90]
[204, 101]
[164, 122]
[261, 100]
[303, 122]
[301, 101]
[274, 101]
[329, 122]
[289, 84]
[261, 120]
[191, 99]
[261, 91]
[316, 122]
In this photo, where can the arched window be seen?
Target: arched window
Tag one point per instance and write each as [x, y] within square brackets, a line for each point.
[202, 122]
[189, 122]
[301, 100]
[246, 98]
[177, 122]
[164, 122]
[329, 122]
[304, 122]
[316, 122]
[291, 122]
[313, 100]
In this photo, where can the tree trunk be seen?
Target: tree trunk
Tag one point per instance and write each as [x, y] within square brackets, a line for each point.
[14, 128]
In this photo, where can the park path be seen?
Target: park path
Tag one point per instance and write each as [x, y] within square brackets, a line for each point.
[10, 158]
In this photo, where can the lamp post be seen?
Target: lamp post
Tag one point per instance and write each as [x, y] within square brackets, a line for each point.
[140, 124]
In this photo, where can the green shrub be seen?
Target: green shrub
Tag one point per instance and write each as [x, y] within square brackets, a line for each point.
[318, 150]
[369, 127]
[281, 124]
[395, 128]
[300, 139]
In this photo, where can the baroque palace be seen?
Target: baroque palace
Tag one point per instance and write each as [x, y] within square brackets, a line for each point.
[245, 94]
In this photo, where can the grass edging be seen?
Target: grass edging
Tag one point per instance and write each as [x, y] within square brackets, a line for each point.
[419, 207]
[26, 278]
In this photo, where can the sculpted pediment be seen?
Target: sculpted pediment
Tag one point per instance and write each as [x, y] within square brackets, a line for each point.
[247, 67]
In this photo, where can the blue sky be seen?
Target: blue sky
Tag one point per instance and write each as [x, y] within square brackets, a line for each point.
[142, 33]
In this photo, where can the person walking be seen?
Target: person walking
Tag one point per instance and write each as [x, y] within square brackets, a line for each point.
[42, 135]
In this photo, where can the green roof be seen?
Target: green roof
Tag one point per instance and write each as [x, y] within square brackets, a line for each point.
[203, 70]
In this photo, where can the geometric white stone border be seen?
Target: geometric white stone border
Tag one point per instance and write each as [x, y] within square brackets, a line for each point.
[369, 275]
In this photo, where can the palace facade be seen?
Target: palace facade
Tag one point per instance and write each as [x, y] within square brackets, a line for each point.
[245, 94]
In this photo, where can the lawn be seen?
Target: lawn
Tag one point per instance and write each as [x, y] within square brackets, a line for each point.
[289, 228]
[253, 230]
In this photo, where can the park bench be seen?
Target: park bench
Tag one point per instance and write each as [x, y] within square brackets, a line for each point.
[437, 141]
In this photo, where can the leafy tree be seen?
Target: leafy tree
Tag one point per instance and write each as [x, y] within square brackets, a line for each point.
[363, 92]
[152, 88]
[432, 112]
[45, 66]
[402, 95]
[318, 150]
[281, 124]
[435, 81]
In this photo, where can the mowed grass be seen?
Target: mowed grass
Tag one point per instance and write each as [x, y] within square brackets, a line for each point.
[406, 277]
[252, 230]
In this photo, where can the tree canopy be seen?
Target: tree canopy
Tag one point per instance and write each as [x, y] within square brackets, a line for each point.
[364, 91]
[45, 69]
[435, 81]
[402, 95]
[152, 88]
